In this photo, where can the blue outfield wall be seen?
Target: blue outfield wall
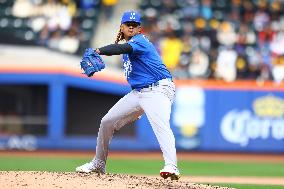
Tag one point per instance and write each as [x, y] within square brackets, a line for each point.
[203, 119]
[230, 120]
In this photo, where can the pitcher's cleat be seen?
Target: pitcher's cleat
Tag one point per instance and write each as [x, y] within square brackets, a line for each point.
[97, 166]
[170, 171]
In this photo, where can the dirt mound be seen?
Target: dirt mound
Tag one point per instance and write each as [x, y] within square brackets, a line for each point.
[68, 180]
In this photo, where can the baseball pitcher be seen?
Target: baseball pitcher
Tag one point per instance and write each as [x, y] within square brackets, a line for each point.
[152, 93]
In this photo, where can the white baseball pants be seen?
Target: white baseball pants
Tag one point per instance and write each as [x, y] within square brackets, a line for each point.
[156, 102]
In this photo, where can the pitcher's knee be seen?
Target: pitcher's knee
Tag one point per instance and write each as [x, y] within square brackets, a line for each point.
[107, 123]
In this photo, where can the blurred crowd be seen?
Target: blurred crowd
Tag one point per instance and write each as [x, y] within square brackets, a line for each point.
[201, 39]
[220, 39]
[57, 23]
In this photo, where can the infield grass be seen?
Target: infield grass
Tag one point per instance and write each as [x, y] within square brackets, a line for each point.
[151, 167]
[248, 186]
[148, 167]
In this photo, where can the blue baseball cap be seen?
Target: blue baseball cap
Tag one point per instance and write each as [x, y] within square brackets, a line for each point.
[131, 16]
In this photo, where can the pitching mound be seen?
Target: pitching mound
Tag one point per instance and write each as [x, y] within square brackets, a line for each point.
[68, 180]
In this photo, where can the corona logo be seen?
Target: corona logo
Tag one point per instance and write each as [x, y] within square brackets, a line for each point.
[269, 106]
[240, 127]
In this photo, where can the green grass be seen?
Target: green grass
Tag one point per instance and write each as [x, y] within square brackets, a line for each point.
[248, 186]
[146, 166]
[199, 168]
[39, 164]
[151, 167]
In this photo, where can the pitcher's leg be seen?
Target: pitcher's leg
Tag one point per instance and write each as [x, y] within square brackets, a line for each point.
[126, 110]
[158, 109]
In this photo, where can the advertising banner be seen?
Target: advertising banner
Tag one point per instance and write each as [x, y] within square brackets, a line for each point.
[229, 120]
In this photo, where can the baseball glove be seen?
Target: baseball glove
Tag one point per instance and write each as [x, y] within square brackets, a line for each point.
[91, 62]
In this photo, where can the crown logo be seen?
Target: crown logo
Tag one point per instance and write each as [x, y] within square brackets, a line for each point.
[269, 106]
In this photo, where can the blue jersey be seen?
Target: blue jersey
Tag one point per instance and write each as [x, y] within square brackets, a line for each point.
[143, 66]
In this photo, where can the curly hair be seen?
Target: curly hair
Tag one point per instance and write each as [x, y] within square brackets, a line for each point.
[119, 37]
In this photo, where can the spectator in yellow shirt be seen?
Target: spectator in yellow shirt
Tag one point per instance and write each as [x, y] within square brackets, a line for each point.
[108, 6]
[171, 48]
